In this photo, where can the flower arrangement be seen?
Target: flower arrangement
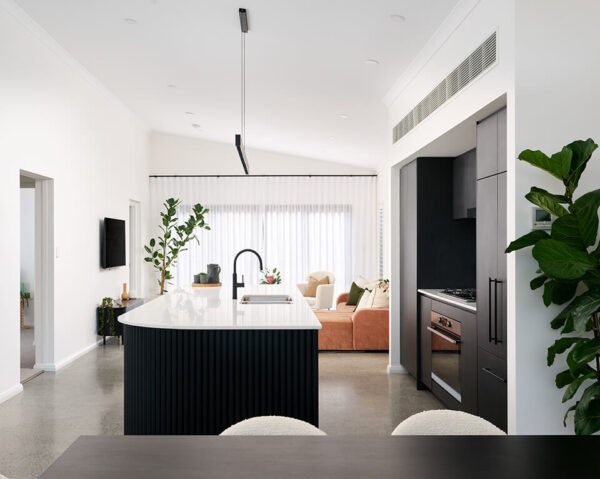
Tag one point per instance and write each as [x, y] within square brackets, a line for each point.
[270, 277]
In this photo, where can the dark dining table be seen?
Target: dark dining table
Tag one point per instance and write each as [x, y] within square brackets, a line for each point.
[313, 457]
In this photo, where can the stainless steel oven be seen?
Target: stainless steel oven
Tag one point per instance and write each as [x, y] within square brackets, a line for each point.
[445, 353]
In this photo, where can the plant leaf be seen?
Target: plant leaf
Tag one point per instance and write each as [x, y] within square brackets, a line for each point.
[567, 414]
[583, 352]
[538, 281]
[582, 152]
[528, 239]
[554, 165]
[558, 292]
[566, 229]
[547, 201]
[559, 260]
[567, 377]
[559, 347]
[587, 416]
[574, 386]
[586, 212]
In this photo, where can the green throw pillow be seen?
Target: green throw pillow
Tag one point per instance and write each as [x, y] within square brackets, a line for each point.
[354, 295]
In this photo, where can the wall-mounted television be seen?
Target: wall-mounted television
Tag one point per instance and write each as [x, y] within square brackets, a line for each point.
[112, 243]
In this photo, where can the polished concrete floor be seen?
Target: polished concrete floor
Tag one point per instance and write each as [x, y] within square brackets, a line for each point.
[357, 397]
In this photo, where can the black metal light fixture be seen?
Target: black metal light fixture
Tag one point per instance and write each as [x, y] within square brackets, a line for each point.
[239, 138]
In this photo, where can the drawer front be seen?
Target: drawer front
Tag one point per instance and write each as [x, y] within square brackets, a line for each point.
[491, 389]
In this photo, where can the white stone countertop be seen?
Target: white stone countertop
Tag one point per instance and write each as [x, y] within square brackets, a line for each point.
[213, 308]
[442, 298]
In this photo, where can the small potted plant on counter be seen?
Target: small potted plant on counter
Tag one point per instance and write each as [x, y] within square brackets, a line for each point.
[270, 277]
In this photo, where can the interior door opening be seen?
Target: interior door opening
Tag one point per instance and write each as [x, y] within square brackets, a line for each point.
[37, 275]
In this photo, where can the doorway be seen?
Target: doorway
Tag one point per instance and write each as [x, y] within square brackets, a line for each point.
[37, 274]
[133, 251]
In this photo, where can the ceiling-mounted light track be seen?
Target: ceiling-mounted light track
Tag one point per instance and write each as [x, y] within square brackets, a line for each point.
[239, 138]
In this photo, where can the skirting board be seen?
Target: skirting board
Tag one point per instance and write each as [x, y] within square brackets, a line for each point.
[10, 392]
[396, 369]
[53, 367]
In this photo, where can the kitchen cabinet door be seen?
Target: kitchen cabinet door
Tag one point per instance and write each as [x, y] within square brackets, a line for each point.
[425, 320]
[408, 268]
[487, 263]
[502, 141]
[464, 184]
[491, 389]
[500, 286]
[487, 146]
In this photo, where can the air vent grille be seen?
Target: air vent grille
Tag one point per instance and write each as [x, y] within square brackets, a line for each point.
[473, 66]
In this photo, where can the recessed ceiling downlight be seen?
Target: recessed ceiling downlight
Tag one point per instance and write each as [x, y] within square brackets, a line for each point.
[131, 21]
[397, 18]
[189, 112]
[371, 61]
[170, 85]
[196, 125]
[343, 116]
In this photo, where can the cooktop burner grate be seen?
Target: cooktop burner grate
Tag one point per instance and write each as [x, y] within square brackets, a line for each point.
[466, 294]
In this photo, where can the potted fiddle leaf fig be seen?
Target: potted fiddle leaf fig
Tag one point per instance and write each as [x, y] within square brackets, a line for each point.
[164, 250]
[569, 272]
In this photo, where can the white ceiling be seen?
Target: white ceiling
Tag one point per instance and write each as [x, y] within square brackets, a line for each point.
[305, 65]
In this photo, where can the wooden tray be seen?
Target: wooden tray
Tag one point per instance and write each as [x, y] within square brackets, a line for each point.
[207, 285]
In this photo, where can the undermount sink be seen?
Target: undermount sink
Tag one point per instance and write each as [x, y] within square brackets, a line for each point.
[266, 299]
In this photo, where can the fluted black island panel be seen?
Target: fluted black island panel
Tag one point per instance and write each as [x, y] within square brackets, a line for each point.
[231, 365]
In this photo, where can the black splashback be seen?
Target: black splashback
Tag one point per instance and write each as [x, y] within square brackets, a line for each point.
[446, 247]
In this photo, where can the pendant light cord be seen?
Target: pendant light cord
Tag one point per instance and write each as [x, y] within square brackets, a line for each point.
[243, 71]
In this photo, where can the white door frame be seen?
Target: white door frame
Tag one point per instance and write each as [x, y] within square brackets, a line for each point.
[134, 249]
[44, 274]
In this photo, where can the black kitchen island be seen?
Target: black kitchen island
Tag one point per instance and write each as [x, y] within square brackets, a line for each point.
[197, 362]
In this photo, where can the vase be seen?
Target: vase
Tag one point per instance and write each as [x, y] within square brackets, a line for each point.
[124, 294]
[203, 278]
[213, 270]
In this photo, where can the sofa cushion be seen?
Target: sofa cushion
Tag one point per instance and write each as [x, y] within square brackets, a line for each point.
[337, 330]
[345, 308]
[354, 294]
[311, 287]
[371, 329]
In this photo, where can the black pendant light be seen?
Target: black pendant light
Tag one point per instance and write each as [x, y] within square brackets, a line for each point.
[239, 138]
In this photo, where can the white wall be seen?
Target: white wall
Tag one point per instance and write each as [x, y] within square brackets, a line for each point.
[557, 101]
[179, 155]
[57, 121]
[470, 23]
[27, 242]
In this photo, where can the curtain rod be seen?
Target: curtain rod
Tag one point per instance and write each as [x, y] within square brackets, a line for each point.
[251, 176]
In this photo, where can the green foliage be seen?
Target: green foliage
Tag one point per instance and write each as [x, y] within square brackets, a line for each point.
[107, 316]
[566, 263]
[164, 250]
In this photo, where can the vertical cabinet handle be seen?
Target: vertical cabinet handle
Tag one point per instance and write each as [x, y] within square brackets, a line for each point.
[490, 281]
[496, 283]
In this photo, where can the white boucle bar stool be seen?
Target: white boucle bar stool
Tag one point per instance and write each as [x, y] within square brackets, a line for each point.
[272, 426]
[445, 422]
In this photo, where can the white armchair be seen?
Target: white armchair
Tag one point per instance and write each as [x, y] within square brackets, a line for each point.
[324, 296]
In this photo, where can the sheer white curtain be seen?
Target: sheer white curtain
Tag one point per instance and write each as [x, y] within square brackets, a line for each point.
[297, 224]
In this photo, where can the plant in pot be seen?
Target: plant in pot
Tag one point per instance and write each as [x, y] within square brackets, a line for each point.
[569, 272]
[164, 250]
[106, 316]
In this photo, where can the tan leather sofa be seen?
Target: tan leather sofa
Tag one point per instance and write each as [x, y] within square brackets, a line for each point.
[347, 330]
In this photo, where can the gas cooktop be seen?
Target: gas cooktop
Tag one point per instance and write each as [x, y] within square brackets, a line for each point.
[467, 294]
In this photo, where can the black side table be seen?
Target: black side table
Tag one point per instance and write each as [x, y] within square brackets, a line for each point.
[116, 326]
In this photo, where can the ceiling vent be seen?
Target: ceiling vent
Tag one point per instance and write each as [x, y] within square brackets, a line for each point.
[473, 66]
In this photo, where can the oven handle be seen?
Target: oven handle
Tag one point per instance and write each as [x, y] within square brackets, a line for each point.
[447, 338]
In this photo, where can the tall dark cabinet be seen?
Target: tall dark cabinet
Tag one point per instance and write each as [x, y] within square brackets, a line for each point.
[491, 268]
[436, 251]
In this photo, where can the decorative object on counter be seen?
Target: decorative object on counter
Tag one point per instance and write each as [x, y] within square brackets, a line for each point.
[107, 316]
[213, 271]
[206, 285]
[164, 250]
[203, 277]
[565, 261]
[270, 277]
[124, 294]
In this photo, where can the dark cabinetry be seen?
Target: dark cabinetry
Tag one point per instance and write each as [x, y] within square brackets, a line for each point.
[436, 251]
[491, 267]
[464, 176]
